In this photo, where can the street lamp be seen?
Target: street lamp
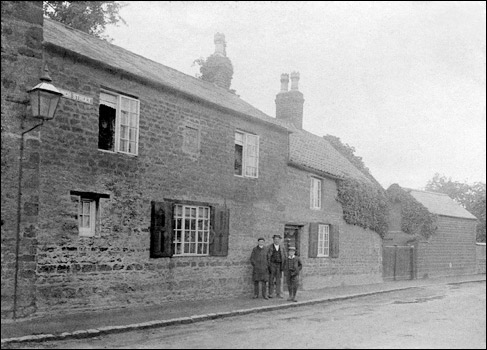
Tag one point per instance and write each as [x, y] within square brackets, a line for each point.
[44, 99]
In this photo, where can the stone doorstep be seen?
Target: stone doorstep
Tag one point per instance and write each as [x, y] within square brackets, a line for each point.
[193, 319]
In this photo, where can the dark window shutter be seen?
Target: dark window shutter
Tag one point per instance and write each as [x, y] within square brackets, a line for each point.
[220, 218]
[313, 240]
[161, 230]
[75, 210]
[334, 240]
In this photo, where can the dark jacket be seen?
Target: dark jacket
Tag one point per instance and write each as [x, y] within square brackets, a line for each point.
[270, 249]
[258, 259]
[293, 266]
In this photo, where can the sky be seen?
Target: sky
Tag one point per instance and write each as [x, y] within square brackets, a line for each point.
[404, 83]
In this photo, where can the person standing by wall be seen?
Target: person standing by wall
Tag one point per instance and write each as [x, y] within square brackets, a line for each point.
[260, 274]
[276, 258]
[292, 268]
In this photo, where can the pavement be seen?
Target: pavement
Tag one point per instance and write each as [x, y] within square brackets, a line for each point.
[96, 323]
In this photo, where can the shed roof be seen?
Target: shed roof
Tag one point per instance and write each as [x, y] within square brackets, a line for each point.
[441, 204]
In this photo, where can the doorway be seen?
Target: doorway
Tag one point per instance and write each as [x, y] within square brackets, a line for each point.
[291, 237]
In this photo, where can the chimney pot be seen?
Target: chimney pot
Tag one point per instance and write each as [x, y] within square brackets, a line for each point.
[284, 82]
[220, 44]
[294, 80]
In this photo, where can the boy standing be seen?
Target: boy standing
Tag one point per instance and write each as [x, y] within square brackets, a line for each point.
[292, 267]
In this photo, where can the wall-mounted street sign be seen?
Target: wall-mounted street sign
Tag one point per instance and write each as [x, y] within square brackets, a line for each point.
[77, 97]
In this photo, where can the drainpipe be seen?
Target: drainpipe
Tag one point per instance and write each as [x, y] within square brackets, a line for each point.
[19, 215]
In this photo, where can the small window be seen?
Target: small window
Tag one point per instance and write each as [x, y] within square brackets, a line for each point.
[315, 193]
[191, 230]
[246, 155]
[118, 128]
[323, 240]
[87, 217]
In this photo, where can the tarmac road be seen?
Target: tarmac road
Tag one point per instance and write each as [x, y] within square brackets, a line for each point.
[442, 316]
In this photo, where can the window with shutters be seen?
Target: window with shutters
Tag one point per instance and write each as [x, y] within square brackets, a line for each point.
[186, 228]
[191, 230]
[315, 193]
[118, 124]
[246, 154]
[323, 240]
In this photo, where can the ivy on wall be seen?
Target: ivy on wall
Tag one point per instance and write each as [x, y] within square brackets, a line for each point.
[365, 205]
[415, 218]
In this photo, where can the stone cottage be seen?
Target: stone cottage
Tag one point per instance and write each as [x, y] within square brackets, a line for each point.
[150, 185]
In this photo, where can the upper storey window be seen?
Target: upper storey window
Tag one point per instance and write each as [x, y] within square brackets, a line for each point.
[118, 129]
[246, 154]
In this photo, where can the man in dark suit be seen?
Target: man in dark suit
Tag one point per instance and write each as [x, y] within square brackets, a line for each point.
[275, 257]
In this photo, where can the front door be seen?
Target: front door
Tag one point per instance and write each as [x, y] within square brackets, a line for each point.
[291, 237]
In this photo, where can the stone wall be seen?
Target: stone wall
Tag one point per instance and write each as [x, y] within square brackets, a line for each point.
[21, 68]
[114, 269]
[360, 251]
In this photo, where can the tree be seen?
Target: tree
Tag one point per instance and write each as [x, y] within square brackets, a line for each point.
[88, 16]
[471, 197]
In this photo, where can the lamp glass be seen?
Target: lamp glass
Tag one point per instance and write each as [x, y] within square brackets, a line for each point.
[44, 103]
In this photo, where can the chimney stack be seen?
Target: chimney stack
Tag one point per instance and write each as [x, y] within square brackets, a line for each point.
[218, 68]
[289, 104]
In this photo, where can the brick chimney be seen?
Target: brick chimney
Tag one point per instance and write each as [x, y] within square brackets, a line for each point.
[289, 104]
[218, 68]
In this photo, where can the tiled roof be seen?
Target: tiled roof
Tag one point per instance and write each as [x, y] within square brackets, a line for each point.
[441, 204]
[89, 46]
[314, 152]
[306, 149]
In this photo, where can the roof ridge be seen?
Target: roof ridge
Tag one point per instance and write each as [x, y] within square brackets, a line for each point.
[424, 191]
[143, 57]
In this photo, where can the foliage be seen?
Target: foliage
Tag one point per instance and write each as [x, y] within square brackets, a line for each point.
[471, 197]
[416, 218]
[364, 205]
[349, 152]
[213, 68]
[88, 16]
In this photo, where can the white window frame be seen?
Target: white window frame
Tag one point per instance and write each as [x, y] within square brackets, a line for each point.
[87, 209]
[315, 193]
[118, 122]
[250, 154]
[201, 213]
[323, 241]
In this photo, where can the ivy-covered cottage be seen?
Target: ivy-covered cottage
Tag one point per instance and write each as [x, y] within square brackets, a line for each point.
[441, 232]
[150, 185]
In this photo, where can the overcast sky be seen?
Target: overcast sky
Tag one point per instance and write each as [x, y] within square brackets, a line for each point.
[401, 82]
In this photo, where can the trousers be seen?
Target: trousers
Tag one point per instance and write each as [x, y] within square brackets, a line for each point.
[292, 284]
[275, 277]
[256, 288]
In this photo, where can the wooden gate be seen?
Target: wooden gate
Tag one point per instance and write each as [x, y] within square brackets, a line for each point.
[398, 263]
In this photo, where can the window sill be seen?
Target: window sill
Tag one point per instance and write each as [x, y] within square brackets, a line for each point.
[113, 152]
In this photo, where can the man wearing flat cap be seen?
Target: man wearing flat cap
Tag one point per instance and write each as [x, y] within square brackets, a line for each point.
[292, 267]
[275, 257]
